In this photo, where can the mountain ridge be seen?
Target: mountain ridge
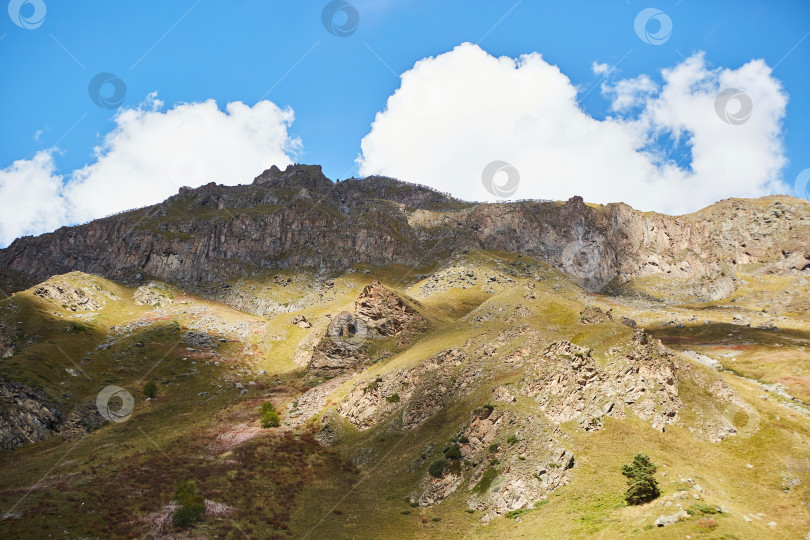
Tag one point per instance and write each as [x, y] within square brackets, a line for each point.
[298, 218]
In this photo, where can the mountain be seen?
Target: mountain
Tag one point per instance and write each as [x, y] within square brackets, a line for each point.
[300, 219]
[439, 368]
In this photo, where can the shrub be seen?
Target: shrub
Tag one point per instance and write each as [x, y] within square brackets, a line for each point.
[486, 481]
[512, 439]
[438, 468]
[517, 513]
[393, 398]
[493, 447]
[269, 415]
[707, 523]
[150, 389]
[453, 451]
[698, 508]
[642, 484]
[463, 439]
[192, 505]
[373, 385]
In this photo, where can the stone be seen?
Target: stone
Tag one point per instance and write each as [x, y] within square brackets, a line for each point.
[664, 521]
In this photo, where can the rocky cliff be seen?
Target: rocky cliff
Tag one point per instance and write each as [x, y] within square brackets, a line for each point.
[300, 219]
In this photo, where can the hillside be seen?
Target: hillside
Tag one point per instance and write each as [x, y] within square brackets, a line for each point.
[299, 219]
[441, 368]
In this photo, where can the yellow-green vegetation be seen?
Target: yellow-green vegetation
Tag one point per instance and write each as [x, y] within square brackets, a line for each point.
[269, 415]
[221, 374]
[642, 486]
[191, 505]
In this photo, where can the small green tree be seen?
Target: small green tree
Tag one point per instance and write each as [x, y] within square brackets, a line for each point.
[192, 505]
[269, 415]
[642, 484]
[452, 451]
[438, 468]
[150, 389]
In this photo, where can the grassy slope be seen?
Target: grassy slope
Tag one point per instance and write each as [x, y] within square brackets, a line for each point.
[289, 487]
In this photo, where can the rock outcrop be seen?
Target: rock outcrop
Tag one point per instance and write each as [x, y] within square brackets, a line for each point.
[417, 392]
[379, 313]
[570, 385]
[299, 218]
[29, 415]
[153, 294]
[7, 346]
[73, 298]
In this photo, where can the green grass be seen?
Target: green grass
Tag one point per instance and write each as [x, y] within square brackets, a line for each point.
[287, 485]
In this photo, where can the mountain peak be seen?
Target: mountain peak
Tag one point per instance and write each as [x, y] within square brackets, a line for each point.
[310, 177]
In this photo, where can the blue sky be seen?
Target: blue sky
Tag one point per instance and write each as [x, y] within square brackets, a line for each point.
[248, 50]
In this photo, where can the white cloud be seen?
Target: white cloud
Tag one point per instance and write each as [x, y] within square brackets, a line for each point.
[30, 197]
[455, 113]
[602, 69]
[627, 93]
[149, 155]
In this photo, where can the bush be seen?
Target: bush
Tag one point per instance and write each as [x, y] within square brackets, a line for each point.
[463, 439]
[373, 385]
[393, 398]
[642, 485]
[512, 439]
[192, 505]
[698, 508]
[150, 389]
[486, 481]
[493, 447]
[453, 451]
[514, 514]
[438, 468]
[269, 416]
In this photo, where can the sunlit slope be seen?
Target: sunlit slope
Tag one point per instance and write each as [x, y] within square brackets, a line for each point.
[546, 390]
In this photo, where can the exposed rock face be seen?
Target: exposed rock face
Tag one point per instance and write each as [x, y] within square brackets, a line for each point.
[28, 415]
[76, 299]
[531, 464]
[420, 392]
[343, 345]
[312, 401]
[7, 348]
[435, 490]
[299, 218]
[379, 313]
[152, 295]
[384, 311]
[570, 385]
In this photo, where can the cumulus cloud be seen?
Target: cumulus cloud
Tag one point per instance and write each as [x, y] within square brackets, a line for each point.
[455, 113]
[148, 155]
[30, 197]
[602, 69]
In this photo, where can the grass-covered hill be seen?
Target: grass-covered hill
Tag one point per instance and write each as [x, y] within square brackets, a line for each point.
[485, 395]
